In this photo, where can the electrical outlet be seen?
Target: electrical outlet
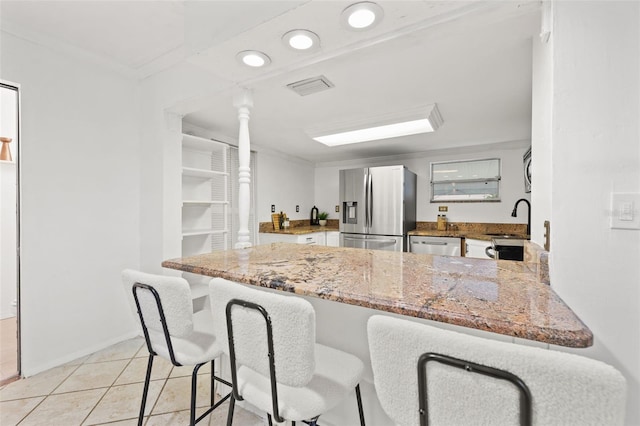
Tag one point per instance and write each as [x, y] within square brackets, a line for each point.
[337, 209]
[297, 208]
[273, 208]
[443, 208]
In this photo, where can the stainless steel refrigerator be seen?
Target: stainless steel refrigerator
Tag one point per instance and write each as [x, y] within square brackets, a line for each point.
[378, 207]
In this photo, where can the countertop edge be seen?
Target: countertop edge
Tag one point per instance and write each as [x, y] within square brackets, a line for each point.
[578, 338]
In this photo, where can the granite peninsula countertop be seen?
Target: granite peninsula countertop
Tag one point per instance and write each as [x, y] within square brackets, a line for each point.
[498, 296]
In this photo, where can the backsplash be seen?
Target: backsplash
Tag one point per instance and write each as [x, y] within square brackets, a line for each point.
[476, 228]
[268, 226]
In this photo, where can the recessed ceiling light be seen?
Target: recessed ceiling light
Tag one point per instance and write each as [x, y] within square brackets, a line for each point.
[361, 16]
[253, 58]
[301, 40]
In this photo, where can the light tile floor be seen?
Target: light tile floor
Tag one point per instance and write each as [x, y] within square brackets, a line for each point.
[106, 388]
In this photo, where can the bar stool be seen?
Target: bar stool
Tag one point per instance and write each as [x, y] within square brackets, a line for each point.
[171, 330]
[422, 375]
[276, 364]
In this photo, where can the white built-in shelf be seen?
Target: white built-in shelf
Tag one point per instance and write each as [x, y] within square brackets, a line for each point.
[197, 232]
[201, 173]
[199, 289]
[7, 162]
[202, 203]
[197, 143]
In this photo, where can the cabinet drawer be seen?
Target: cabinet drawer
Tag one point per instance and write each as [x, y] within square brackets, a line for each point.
[443, 246]
[315, 238]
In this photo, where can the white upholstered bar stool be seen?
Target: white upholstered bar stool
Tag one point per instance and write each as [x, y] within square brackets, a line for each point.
[516, 384]
[172, 331]
[276, 364]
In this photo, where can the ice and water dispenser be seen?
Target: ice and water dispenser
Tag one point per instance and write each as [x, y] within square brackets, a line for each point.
[350, 212]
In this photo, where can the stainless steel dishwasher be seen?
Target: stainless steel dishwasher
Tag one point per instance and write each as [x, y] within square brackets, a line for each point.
[443, 246]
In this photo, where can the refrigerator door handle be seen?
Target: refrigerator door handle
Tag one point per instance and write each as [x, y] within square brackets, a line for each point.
[371, 201]
[353, 239]
[371, 240]
[366, 199]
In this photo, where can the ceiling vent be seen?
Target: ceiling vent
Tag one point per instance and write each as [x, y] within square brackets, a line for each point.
[310, 85]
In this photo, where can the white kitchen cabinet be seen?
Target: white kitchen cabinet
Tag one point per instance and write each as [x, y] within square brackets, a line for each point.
[314, 238]
[476, 248]
[333, 238]
[441, 246]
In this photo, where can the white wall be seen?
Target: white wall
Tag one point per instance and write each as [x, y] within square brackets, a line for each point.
[512, 184]
[80, 202]
[541, 108]
[285, 182]
[596, 151]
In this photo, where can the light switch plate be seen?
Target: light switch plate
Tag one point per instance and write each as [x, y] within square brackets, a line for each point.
[625, 210]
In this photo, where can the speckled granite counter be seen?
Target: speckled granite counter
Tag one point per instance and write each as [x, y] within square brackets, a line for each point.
[476, 231]
[499, 296]
[299, 227]
[300, 230]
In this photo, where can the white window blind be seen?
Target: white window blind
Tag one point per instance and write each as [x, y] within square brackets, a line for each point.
[472, 180]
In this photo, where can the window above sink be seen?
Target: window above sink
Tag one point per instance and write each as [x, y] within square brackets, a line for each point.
[466, 181]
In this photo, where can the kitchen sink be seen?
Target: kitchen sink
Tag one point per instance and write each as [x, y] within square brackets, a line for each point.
[508, 236]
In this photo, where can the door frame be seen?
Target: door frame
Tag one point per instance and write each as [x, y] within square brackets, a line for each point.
[16, 86]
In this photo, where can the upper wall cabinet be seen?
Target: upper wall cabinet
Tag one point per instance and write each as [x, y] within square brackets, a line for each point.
[466, 181]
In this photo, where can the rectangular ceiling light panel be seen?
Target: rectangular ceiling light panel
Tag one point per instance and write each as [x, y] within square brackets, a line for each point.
[420, 120]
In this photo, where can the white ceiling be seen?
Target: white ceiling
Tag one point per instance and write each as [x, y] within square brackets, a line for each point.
[471, 58]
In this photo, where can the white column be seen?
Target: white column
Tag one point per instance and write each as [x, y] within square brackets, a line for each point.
[243, 101]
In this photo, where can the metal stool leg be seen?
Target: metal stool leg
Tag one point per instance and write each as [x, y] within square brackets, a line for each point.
[194, 390]
[232, 403]
[146, 389]
[213, 382]
[360, 411]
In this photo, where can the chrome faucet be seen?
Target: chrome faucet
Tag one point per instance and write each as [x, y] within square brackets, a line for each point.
[514, 213]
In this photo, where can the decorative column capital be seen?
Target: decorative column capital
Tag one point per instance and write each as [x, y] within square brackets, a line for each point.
[243, 98]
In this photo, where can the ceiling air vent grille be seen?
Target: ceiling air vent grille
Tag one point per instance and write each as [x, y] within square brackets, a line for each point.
[311, 85]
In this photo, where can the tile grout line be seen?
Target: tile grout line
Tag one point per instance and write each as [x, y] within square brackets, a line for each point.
[109, 387]
[45, 396]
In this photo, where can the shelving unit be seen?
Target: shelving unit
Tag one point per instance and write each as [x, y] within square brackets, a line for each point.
[205, 202]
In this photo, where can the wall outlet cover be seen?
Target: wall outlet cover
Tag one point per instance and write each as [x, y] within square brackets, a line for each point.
[337, 209]
[273, 208]
[443, 208]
